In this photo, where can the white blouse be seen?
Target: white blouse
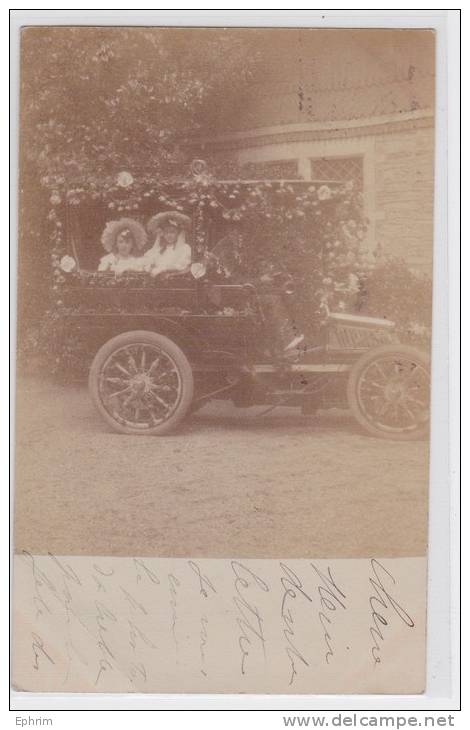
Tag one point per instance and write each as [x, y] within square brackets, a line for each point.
[171, 258]
[118, 264]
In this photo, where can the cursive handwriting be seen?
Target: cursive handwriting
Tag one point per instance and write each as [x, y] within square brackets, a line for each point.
[39, 650]
[330, 599]
[40, 583]
[142, 568]
[249, 619]
[173, 584]
[100, 584]
[206, 588]
[292, 587]
[133, 602]
[146, 624]
[202, 645]
[66, 570]
[382, 602]
[204, 582]
[136, 633]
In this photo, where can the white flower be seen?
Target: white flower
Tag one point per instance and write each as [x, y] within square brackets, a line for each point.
[67, 263]
[55, 199]
[198, 270]
[324, 193]
[125, 179]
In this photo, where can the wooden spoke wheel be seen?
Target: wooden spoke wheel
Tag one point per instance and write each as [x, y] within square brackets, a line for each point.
[388, 392]
[141, 383]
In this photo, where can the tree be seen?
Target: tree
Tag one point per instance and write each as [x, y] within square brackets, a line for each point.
[98, 100]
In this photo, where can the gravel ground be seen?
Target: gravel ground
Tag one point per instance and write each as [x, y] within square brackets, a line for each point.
[229, 483]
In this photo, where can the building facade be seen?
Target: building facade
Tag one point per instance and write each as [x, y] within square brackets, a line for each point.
[348, 105]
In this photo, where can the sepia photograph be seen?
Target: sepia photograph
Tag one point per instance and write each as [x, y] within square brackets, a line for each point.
[223, 339]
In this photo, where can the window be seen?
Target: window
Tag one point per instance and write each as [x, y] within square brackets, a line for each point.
[343, 169]
[86, 222]
[271, 170]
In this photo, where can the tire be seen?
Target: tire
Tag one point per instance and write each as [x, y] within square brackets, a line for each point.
[141, 383]
[388, 392]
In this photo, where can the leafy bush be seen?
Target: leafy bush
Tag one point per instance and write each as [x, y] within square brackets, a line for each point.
[393, 291]
[51, 349]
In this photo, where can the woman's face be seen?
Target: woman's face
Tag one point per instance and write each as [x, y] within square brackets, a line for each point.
[124, 245]
[170, 234]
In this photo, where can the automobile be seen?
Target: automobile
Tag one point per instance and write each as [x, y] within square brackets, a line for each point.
[160, 349]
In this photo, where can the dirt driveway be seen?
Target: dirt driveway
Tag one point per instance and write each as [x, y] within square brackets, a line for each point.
[229, 483]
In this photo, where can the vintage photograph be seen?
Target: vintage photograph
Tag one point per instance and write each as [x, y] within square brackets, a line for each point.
[224, 305]
[224, 296]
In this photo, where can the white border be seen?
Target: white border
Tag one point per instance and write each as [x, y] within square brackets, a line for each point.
[442, 692]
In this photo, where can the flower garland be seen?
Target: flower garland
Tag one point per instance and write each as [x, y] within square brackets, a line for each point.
[322, 226]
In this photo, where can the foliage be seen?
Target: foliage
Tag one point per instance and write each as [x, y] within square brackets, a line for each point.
[393, 291]
[95, 100]
[50, 348]
[98, 100]
[106, 115]
[314, 232]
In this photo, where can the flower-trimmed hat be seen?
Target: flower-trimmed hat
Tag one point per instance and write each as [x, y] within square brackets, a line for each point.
[133, 228]
[168, 218]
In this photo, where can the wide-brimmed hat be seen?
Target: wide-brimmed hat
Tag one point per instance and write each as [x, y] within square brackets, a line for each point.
[135, 229]
[168, 218]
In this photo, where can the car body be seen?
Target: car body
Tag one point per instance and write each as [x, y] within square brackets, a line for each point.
[159, 348]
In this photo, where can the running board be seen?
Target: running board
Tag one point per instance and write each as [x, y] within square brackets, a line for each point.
[303, 368]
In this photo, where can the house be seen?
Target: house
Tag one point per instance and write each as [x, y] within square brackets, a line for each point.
[346, 105]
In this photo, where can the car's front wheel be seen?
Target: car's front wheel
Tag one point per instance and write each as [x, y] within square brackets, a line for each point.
[388, 392]
[142, 383]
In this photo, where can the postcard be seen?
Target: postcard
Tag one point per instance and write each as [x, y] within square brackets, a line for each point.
[223, 364]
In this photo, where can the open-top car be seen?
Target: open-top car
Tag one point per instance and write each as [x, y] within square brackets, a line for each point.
[160, 348]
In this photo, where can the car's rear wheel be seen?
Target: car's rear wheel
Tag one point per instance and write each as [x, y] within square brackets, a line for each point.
[142, 383]
[388, 392]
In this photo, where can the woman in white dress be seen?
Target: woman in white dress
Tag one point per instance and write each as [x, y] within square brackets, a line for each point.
[170, 251]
